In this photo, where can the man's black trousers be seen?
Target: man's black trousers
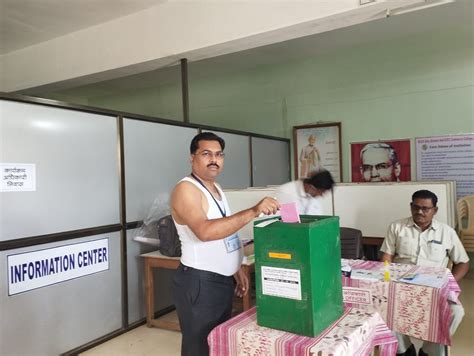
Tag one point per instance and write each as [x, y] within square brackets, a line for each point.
[203, 300]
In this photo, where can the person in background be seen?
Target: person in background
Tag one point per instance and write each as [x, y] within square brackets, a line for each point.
[424, 241]
[210, 270]
[379, 163]
[306, 193]
[310, 159]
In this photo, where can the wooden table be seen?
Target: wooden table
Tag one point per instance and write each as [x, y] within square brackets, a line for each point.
[156, 260]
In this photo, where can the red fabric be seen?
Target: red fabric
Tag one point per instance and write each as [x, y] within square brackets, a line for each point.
[419, 311]
[242, 336]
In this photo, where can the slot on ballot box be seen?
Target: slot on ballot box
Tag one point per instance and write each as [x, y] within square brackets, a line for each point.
[298, 274]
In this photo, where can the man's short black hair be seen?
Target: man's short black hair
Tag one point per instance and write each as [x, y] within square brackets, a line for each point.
[205, 136]
[425, 194]
[320, 180]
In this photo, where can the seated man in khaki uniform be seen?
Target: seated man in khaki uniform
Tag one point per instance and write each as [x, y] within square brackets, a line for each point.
[424, 241]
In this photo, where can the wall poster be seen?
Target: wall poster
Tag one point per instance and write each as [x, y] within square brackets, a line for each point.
[447, 158]
[381, 161]
[317, 147]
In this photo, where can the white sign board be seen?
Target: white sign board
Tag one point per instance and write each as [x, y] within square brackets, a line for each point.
[18, 177]
[281, 282]
[31, 270]
[447, 158]
[356, 295]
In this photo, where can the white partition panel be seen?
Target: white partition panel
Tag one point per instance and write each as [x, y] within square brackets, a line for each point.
[156, 158]
[60, 317]
[74, 155]
[364, 206]
[236, 173]
[270, 162]
[372, 207]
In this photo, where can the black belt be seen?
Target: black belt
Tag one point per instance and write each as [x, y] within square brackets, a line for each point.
[201, 272]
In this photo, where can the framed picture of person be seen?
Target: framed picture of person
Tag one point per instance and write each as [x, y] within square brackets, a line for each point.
[381, 161]
[316, 147]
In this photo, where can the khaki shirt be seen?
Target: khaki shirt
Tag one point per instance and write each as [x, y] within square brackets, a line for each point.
[432, 247]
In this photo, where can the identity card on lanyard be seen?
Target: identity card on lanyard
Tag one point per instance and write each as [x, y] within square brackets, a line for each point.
[232, 243]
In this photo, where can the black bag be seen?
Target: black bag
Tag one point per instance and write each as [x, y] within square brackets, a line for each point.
[169, 240]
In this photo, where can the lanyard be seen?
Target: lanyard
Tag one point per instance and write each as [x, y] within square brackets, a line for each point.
[223, 212]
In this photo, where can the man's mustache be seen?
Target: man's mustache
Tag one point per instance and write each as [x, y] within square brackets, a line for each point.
[213, 164]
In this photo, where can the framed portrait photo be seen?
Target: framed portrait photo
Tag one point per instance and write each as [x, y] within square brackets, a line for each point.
[381, 161]
[317, 147]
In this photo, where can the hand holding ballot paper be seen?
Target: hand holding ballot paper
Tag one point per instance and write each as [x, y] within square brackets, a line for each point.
[289, 213]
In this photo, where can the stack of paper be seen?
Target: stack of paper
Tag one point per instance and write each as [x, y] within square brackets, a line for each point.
[429, 280]
[367, 275]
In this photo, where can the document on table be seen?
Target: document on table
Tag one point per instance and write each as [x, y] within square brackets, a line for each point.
[428, 280]
[367, 275]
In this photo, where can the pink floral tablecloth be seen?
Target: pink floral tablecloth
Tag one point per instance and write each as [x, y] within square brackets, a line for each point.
[419, 311]
[356, 332]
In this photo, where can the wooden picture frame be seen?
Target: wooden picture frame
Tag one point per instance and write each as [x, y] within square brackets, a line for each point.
[316, 147]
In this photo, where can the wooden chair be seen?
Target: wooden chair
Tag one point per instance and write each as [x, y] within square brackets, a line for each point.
[465, 212]
[351, 243]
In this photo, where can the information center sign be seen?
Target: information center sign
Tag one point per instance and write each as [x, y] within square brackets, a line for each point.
[31, 270]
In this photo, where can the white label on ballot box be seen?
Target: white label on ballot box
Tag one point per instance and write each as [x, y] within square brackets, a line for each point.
[281, 282]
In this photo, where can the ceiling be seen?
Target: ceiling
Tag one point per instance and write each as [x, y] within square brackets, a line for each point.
[26, 22]
[72, 15]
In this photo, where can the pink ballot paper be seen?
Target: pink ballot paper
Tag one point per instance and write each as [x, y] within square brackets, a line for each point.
[289, 213]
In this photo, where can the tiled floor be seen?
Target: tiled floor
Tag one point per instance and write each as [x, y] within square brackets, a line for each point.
[142, 341]
[145, 341]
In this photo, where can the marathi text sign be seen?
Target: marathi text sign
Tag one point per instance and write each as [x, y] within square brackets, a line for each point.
[31, 270]
[18, 177]
[356, 295]
[447, 158]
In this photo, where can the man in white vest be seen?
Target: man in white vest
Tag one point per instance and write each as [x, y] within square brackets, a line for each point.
[210, 270]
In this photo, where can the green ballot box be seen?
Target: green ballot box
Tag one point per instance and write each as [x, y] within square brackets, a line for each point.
[298, 274]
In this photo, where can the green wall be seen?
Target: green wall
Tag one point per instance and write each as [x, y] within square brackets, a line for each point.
[402, 88]
[399, 89]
